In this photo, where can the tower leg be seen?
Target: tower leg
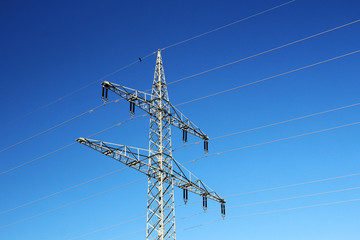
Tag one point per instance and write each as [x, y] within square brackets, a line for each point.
[160, 211]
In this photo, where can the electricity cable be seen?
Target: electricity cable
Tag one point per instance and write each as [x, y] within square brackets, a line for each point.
[76, 91]
[107, 228]
[268, 78]
[194, 100]
[255, 144]
[297, 184]
[62, 191]
[274, 211]
[278, 123]
[56, 126]
[308, 195]
[128, 234]
[254, 214]
[208, 96]
[273, 124]
[227, 25]
[67, 205]
[355, 174]
[267, 51]
[275, 200]
[142, 58]
[277, 140]
[62, 148]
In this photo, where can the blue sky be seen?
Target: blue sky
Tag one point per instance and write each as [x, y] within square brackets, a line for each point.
[51, 48]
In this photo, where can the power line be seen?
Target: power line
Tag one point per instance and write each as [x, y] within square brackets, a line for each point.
[267, 51]
[62, 191]
[287, 186]
[289, 137]
[227, 25]
[56, 126]
[246, 130]
[81, 200]
[36, 159]
[211, 95]
[268, 78]
[254, 128]
[62, 148]
[277, 140]
[75, 91]
[274, 211]
[296, 184]
[257, 203]
[144, 178]
[274, 124]
[255, 214]
[197, 99]
[107, 228]
[137, 61]
[128, 234]
[108, 174]
[51, 210]
[237, 194]
[277, 200]
[296, 197]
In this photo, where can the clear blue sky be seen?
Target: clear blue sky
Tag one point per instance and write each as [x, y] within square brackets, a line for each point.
[50, 48]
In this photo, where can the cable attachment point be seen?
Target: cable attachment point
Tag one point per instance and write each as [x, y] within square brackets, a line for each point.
[204, 203]
[184, 135]
[185, 195]
[223, 210]
[104, 95]
[206, 146]
[132, 108]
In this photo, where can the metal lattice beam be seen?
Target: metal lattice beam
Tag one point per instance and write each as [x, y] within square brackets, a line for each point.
[157, 163]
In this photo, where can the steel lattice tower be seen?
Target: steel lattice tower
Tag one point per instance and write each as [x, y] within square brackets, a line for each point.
[162, 170]
[160, 206]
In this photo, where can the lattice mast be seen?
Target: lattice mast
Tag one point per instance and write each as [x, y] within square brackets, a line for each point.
[160, 204]
[163, 171]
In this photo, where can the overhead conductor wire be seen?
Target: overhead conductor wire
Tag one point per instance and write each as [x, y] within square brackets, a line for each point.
[256, 128]
[56, 126]
[274, 200]
[186, 163]
[321, 130]
[142, 58]
[273, 124]
[211, 95]
[78, 90]
[62, 148]
[268, 78]
[67, 205]
[351, 175]
[239, 206]
[277, 140]
[267, 51]
[269, 212]
[228, 64]
[227, 25]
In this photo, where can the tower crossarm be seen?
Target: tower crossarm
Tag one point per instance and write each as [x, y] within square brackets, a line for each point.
[145, 102]
[139, 98]
[180, 121]
[184, 179]
[137, 158]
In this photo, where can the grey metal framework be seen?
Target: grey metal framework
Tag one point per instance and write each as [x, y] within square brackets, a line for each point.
[163, 171]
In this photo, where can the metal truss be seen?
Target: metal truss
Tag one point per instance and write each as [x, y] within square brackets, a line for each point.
[145, 102]
[138, 158]
[162, 170]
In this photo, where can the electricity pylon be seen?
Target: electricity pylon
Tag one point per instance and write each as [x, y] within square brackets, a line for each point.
[163, 171]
